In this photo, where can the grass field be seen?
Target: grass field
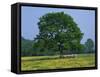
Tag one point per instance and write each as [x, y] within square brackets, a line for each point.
[54, 62]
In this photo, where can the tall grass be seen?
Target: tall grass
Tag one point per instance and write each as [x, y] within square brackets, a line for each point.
[54, 62]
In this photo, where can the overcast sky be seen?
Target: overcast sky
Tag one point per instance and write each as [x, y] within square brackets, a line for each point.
[30, 17]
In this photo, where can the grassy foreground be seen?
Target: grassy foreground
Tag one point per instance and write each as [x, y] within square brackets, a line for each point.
[54, 62]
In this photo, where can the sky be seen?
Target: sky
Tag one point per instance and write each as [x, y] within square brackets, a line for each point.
[30, 17]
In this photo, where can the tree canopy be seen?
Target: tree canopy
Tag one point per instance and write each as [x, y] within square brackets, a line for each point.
[57, 32]
[89, 45]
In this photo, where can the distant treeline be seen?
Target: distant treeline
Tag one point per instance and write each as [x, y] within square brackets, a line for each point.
[28, 49]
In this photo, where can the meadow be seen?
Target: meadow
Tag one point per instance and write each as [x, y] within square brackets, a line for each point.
[54, 62]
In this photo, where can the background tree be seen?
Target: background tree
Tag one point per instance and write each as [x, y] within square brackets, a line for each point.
[26, 47]
[58, 32]
[89, 45]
